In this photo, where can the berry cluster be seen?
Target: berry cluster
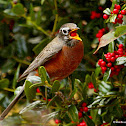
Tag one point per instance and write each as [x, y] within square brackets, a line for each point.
[91, 86]
[94, 15]
[82, 109]
[101, 32]
[57, 121]
[119, 13]
[110, 60]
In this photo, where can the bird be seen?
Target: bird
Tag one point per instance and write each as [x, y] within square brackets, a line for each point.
[60, 58]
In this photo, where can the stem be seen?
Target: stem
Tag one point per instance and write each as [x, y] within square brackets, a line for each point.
[21, 61]
[36, 26]
[56, 17]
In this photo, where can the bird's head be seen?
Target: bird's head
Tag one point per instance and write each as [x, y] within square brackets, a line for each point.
[68, 32]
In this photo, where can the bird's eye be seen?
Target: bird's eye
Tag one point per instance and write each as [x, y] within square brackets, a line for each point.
[65, 31]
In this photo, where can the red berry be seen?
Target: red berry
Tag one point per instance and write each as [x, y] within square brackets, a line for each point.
[37, 90]
[90, 85]
[95, 90]
[103, 30]
[123, 12]
[113, 59]
[80, 114]
[99, 35]
[105, 16]
[118, 70]
[81, 109]
[99, 61]
[108, 59]
[100, 8]
[112, 54]
[115, 21]
[44, 98]
[84, 104]
[49, 99]
[90, 117]
[115, 11]
[112, 68]
[100, 31]
[120, 45]
[120, 16]
[99, 39]
[116, 56]
[83, 124]
[109, 64]
[103, 63]
[85, 109]
[117, 7]
[120, 49]
[92, 17]
[98, 15]
[120, 21]
[57, 121]
[103, 69]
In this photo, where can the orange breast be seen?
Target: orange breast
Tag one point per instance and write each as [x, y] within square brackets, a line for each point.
[64, 62]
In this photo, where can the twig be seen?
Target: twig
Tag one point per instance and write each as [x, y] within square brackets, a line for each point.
[56, 17]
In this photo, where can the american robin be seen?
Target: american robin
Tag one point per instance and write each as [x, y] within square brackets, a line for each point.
[60, 58]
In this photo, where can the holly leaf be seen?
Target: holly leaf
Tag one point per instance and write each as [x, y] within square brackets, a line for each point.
[73, 113]
[56, 86]
[107, 11]
[121, 60]
[29, 92]
[19, 9]
[4, 83]
[106, 75]
[120, 30]
[106, 39]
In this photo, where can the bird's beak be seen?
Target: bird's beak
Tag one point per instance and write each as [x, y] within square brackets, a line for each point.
[74, 35]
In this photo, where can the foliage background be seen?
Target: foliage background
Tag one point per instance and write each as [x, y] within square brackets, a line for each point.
[26, 26]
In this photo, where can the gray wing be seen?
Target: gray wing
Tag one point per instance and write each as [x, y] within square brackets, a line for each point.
[51, 49]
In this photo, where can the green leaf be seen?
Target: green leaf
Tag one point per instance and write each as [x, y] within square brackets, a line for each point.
[112, 18]
[106, 39]
[36, 85]
[56, 86]
[104, 87]
[4, 83]
[18, 9]
[52, 101]
[38, 48]
[73, 113]
[88, 79]
[84, 90]
[97, 71]
[29, 92]
[89, 122]
[111, 47]
[38, 19]
[73, 93]
[107, 11]
[8, 65]
[93, 80]
[32, 14]
[106, 75]
[42, 2]
[121, 60]
[16, 75]
[30, 106]
[120, 30]
[42, 73]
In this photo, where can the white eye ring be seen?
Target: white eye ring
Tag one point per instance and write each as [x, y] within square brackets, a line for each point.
[65, 30]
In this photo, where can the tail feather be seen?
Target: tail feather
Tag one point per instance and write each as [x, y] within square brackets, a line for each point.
[11, 105]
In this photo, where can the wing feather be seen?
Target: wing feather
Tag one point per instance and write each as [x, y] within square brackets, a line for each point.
[50, 50]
